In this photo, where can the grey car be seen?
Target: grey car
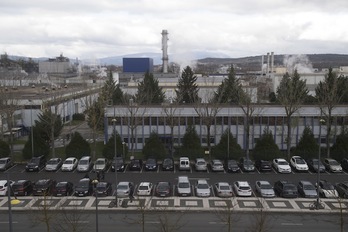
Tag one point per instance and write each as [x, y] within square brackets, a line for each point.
[307, 189]
[217, 165]
[264, 188]
[223, 189]
[5, 163]
[124, 189]
[201, 164]
[53, 164]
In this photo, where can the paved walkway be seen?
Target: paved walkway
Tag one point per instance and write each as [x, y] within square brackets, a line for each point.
[177, 203]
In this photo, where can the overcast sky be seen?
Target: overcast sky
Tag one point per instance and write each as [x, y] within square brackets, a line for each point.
[95, 29]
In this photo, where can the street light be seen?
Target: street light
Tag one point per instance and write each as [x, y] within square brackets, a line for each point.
[115, 154]
[94, 183]
[317, 203]
[123, 149]
[31, 130]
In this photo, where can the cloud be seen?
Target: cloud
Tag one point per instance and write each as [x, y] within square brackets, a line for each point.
[89, 29]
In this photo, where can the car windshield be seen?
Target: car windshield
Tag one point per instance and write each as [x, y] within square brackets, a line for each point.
[184, 185]
[122, 187]
[162, 186]
[35, 161]
[283, 163]
[68, 162]
[217, 163]
[200, 163]
[328, 186]
[52, 161]
[2, 161]
[224, 187]
[308, 187]
[300, 161]
[232, 162]
[202, 186]
[244, 188]
[266, 186]
[143, 187]
[61, 185]
[289, 187]
[167, 161]
[83, 162]
[333, 162]
[248, 162]
[100, 162]
[84, 184]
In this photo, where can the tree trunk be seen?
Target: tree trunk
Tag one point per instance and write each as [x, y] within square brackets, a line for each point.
[288, 141]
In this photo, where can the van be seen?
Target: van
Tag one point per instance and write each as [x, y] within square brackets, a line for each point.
[183, 186]
[184, 164]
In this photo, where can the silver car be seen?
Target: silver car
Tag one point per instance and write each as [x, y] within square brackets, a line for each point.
[264, 188]
[125, 189]
[217, 165]
[202, 188]
[5, 163]
[223, 189]
[84, 164]
[100, 164]
[200, 164]
[53, 164]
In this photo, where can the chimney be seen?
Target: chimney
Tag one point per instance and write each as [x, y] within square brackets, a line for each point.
[165, 51]
[267, 62]
[272, 61]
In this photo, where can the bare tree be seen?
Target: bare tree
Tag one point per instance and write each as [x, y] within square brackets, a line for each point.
[260, 219]
[45, 213]
[227, 214]
[171, 111]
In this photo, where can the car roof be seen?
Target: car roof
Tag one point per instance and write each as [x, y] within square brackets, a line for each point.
[124, 183]
[5, 158]
[223, 184]
[85, 157]
[70, 158]
[263, 181]
[144, 184]
[306, 182]
[243, 183]
[202, 181]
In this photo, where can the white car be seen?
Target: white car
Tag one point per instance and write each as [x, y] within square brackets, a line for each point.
[281, 165]
[327, 189]
[101, 164]
[4, 186]
[69, 164]
[298, 164]
[242, 189]
[202, 188]
[264, 188]
[145, 189]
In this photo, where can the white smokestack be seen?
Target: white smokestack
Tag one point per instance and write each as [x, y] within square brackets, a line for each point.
[272, 61]
[267, 62]
[165, 50]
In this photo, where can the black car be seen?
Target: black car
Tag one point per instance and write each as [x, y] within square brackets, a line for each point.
[263, 165]
[342, 189]
[232, 166]
[44, 187]
[36, 164]
[285, 189]
[84, 187]
[22, 188]
[135, 165]
[120, 165]
[103, 189]
[246, 165]
[344, 164]
[168, 164]
[64, 188]
[151, 164]
[163, 189]
[313, 165]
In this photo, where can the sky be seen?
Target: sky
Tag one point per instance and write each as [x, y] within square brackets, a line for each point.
[87, 29]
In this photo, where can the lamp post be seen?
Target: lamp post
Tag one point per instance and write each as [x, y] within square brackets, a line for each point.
[123, 149]
[317, 203]
[115, 157]
[95, 182]
[31, 130]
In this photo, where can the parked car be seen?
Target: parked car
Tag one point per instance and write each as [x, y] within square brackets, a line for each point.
[5, 163]
[232, 166]
[145, 189]
[36, 164]
[44, 187]
[242, 189]
[246, 165]
[202, 188]
[184, 164]
[103, 188]
[298, 164]
[201, 164]
[223, 189]
[22, 188]
[4, 187]
[327, 189]
[168, 164]
[53, 164]
[281, 165]
[344, 164]
[101, 165]
[184, 186]
[307, 189]
[285, 189]
[124, 189]
[64, 188]
[342, 189]
[264, 188]
[163, 189]
[217, 165]
[84, 188]
[332, 165]
[85, 164]
[313, 165]
[69, 164]
[151, 164]
[119, 163]
[135, 165]
[263, 165]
